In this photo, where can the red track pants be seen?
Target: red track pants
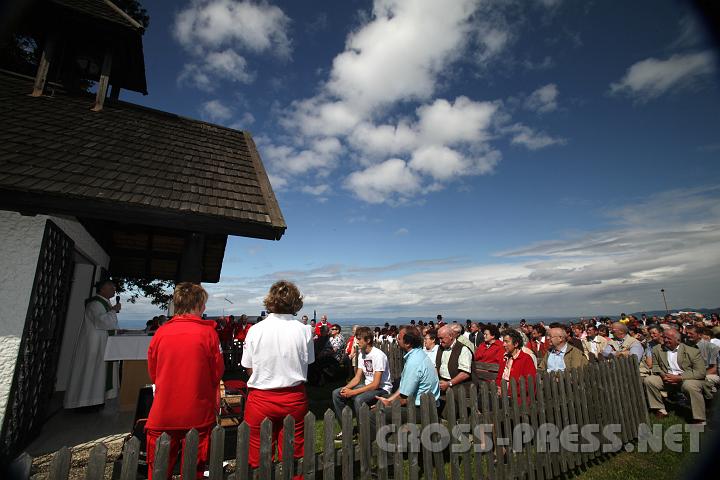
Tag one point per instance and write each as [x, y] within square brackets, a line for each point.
[177, 439]
[276, 404]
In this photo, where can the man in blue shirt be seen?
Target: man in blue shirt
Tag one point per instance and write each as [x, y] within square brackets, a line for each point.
[418, 376]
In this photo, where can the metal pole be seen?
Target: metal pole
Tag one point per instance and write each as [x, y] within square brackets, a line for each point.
[667, 310]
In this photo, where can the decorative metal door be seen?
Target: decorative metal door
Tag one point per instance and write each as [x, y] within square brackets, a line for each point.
[36, 368]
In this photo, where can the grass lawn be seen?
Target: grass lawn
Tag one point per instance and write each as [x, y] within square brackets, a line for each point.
[661, 465]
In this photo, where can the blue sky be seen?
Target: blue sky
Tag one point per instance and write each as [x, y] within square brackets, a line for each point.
[480, 159]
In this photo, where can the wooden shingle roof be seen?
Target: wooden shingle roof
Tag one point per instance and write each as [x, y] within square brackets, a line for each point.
[134, 164]
[102, 10]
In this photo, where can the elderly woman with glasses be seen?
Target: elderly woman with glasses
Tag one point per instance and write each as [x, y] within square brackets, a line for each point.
[515, 365]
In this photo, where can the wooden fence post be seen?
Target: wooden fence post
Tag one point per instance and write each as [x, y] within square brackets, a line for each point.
[439, 461]
[506, 429]
[130, 459]
[365, 441]
[571, 407]
[465, 456]
[382, 464]
[525, 418]
[60, 465]
[217, 452]
[427, 403]
[309, 446]
[535, 465]
[242, 470]
[288, 447]
[328, 466]
[544, 414]
[96, 462]
[412, 420]
[162, 455]
[266, 453]
[451, 416]
[190, 454]
[398, 470]
[347, 443]
[489, 455]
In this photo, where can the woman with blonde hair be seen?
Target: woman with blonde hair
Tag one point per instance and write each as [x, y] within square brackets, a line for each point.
[276, 355]
[185, 364]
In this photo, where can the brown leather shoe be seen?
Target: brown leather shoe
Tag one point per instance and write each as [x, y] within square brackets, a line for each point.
[659, 414]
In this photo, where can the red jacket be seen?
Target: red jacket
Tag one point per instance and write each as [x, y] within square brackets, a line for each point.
[350, 344]
[242, 331]
[185, 364]
[539, 348]
[320, 324]
[521, 367]
[492, 354]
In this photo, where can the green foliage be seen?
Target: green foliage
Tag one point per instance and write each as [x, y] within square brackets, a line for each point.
[158, 291]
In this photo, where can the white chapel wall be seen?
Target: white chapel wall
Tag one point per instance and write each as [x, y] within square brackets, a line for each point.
[19, 250]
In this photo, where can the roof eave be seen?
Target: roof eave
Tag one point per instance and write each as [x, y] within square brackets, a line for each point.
[32, 203]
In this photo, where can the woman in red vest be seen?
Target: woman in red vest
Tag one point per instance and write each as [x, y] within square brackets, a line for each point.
[515, 365]
[185, 364]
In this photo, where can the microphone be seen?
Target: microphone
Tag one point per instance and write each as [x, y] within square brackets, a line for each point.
[117, 299]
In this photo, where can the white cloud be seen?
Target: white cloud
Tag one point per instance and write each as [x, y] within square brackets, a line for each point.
[462, 121]
[493, 40]
[278, 183]
[401, 232]
[213, 31]
[652, 77]
[246, 120]
[544, 99]
[383, 139]
[398, 54]
[532, 139]
[550, 3]
[320, 117]
[317, 190]
[215, 111]
[396, 59]
[441, 162]
[211, 24]
[391, 180]
[225, 65]
[665, 241]
[320, 156]
[690, 32]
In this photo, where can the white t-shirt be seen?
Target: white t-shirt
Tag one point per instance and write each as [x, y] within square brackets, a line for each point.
[278, 349]
[432, 353]
[376, 361]
[674, 368]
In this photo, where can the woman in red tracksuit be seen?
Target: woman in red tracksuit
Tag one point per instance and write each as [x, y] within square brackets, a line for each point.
[185, 364]
[515, 365]
[276, 355]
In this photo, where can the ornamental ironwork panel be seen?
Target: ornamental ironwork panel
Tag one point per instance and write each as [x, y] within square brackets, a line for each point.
[36, 368]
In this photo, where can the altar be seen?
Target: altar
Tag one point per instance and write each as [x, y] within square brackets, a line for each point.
[132, 351]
